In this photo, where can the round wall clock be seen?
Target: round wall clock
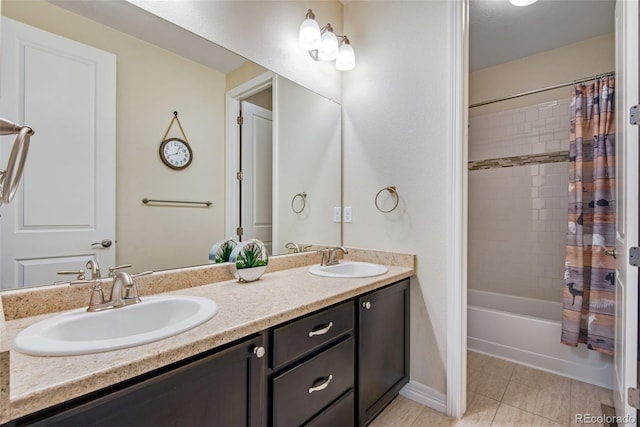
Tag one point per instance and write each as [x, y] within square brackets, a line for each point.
[176, 153]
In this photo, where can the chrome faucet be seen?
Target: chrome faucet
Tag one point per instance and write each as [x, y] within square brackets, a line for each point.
[93, 266]
[294, 246]
[123, 291]
[329, 255]
[297, 247]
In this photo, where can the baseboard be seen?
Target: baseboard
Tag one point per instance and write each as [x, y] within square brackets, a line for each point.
[425, 395]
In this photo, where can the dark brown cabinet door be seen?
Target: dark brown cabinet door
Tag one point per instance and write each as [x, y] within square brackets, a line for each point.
[383, 348]
[223, 389]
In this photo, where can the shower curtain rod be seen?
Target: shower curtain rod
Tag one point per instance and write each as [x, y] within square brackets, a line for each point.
[543, 89]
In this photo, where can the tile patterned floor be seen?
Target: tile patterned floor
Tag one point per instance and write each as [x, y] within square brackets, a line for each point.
[501, 393]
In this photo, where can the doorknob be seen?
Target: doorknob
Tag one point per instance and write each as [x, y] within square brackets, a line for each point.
[105, 243]
[611, 253]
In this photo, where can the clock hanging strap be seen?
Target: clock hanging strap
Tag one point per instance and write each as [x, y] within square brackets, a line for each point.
[175, 119]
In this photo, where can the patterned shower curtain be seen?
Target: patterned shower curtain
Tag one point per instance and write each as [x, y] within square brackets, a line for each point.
[589, 297]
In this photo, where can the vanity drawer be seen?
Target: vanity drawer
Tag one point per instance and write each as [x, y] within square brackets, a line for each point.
[305, 390]
[340, 413]
[303, 336]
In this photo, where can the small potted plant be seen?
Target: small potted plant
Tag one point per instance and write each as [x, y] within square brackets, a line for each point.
[221, 251]
[249, 260]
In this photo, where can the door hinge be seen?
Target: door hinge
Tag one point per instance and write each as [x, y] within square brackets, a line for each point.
[633, 397]
[634, 256]
[634, 115]
[240, 120]
[239, 176]
[239, 231]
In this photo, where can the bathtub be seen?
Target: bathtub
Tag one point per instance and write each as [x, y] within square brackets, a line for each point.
[527, 331]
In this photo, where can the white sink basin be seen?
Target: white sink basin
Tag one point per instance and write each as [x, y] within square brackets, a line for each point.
[79, 332]
[346, 269]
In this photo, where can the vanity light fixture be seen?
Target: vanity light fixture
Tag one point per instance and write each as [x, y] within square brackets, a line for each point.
[323, 44]
[522, 2]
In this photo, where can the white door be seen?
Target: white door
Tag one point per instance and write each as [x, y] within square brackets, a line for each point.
[627, 206]
[66, 202]
[257, 170]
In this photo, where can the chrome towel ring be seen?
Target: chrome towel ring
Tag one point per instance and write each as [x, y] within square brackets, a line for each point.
[392, 192]
[303, 202]
[10, 177]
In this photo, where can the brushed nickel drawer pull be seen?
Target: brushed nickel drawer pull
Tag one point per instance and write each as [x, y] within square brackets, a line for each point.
[322, 386]
[321, 331]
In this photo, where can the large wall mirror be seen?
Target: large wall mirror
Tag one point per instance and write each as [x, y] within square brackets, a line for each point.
[95, 156]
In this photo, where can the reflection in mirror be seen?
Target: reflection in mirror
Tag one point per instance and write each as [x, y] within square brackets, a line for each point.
[102, 100]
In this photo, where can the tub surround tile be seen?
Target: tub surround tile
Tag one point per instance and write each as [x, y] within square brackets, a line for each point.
[518, 200]
[531, 159]
[282, 294]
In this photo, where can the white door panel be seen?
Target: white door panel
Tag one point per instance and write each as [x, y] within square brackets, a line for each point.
[66, 202]
[627, 164]
[257, 168]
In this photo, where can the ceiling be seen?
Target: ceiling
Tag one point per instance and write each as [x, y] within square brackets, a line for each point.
[500, 32]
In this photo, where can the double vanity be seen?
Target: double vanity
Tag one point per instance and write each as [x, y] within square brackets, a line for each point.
[304, 345]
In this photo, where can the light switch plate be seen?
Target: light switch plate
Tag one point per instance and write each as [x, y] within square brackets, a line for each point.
[337, 215]
[348, 214]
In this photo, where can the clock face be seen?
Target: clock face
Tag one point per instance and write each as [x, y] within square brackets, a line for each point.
[175, 153]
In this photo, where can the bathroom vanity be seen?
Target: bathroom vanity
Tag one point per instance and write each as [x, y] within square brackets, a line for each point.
[290, 349]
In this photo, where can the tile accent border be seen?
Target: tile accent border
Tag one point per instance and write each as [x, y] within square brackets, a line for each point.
[529, 159]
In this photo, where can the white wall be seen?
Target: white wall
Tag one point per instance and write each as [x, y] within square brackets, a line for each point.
[395, 115]
[308, 160]
[266, 32]
[583, 59]
[395, 133]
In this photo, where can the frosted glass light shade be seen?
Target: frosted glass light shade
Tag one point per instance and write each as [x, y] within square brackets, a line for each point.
[346, 59]
[309, 35]
[328, 50]
[522, 2]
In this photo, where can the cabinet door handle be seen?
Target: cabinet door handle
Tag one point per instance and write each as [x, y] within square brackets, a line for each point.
[321, 331]
[366, 305]
[258, 351]
[323, 385]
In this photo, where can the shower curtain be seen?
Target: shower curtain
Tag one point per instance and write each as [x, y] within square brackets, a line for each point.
[589, 298]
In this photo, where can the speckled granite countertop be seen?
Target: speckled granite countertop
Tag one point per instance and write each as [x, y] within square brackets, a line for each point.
[285, 292]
